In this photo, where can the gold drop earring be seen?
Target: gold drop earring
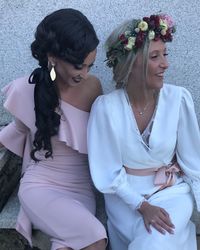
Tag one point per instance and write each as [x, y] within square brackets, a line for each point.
[52, 72]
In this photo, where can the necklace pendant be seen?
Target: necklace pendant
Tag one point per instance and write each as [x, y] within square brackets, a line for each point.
[140, 113]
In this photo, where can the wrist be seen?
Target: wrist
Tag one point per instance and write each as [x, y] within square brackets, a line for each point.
[143, 206]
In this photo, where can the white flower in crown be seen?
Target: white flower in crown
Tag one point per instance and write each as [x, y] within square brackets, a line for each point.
[137, 30]
[127, 33]
[163, 25]
[151, 35]
[143, 26]
[163, 32]
[131, 43]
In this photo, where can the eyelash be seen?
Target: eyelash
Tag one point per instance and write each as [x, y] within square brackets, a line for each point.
[165, 54]
[79, 66]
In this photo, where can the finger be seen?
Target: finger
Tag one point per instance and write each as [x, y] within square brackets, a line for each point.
[157, 227]
[167, 220]
[164, 212]
[147, 226]
[164, 226]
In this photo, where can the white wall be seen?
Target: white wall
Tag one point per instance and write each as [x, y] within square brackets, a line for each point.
[19, 18]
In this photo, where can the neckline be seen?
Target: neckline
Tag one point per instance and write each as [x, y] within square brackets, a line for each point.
[75, 108]
[154, 116]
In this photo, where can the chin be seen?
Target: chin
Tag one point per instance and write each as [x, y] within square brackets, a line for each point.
[158, 85]
[74, 84]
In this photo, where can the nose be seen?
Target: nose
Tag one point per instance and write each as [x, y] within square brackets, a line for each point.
[164, 63]
[84, 72]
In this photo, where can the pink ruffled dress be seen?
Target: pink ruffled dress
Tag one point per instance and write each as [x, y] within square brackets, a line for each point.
[56, 194]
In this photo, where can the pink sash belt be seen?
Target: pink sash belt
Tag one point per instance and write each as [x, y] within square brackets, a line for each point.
[165, 176]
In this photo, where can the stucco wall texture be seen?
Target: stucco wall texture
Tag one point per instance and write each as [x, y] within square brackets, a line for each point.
[19, 18]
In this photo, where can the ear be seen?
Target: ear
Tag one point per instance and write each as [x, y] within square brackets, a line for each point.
[51, 59]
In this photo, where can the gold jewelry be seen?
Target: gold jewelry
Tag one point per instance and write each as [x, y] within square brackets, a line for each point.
[52, 72]
[141, 112]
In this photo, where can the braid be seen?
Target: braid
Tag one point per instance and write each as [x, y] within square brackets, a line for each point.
[47, 120]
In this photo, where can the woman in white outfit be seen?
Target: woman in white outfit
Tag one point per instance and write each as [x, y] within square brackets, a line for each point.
[144, 143]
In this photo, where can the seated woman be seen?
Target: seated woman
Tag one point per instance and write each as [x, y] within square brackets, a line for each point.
[144, 143]
[51, 110]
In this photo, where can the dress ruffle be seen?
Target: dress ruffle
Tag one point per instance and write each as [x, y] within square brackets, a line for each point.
[20, 103]
[73, 124]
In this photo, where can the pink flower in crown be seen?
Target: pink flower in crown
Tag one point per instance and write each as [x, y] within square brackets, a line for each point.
[123, 39]
[140, 39]
[168, 20]
[167, 36]
[154, 22]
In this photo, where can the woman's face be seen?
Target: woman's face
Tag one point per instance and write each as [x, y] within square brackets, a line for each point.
[72, 75]
[156, 64]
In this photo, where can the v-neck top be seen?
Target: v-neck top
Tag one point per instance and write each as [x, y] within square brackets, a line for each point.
[147, 131]
[113, 129]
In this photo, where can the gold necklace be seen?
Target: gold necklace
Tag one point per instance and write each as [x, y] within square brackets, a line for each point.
[141, 112]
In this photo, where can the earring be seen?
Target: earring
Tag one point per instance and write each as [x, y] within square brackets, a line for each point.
[52, 72]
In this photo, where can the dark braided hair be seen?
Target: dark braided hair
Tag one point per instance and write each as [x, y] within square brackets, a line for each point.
[68, 35]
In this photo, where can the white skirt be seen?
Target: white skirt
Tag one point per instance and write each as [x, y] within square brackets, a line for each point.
[126, 227]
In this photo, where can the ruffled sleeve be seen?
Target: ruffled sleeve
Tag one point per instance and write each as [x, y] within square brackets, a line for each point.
[104, 152]
[188, 144]
[20, 103]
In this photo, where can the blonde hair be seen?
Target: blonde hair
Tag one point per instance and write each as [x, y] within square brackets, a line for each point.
[122, 69]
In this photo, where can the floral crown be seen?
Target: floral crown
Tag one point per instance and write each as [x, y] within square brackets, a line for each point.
[154, 28]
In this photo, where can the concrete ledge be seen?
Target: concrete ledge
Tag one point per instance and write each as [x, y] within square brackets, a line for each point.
[10, 171]
[8, 218]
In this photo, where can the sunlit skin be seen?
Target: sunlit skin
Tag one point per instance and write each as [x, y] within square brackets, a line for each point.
[68, 74]
[156, 67]
[142, 90]
[76, 86]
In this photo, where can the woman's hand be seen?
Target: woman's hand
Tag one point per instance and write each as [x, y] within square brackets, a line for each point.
[157, 217]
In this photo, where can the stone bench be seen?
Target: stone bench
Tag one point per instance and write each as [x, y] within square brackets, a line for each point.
[8, 218]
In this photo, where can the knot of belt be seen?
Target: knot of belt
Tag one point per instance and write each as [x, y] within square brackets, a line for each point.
[165, 176]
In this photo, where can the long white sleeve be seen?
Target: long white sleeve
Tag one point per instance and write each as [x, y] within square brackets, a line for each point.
[104, 150]
[188, 144]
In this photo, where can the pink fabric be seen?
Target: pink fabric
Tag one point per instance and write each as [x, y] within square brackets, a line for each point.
[165, 176]
[20, 103]
[56, 193]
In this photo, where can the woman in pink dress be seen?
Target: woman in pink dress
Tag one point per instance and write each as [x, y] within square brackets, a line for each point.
[51, 110]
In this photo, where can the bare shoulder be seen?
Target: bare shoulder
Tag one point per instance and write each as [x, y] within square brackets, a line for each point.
[92, 89]
[94, 86]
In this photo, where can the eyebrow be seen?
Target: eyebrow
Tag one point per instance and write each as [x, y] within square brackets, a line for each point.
[90, 65]
[153, 51]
